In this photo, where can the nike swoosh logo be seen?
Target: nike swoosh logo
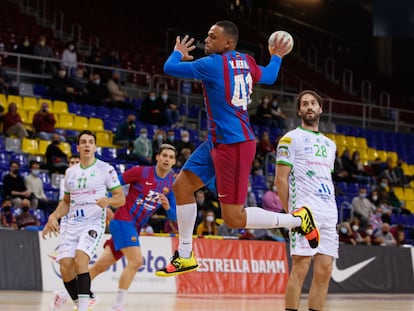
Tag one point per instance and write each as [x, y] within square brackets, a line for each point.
[221, 195]
[340, 275]
[148, 183]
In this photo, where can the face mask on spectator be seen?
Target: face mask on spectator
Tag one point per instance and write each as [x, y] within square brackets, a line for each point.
[152, 98]
[160, 137]
[249, 189]
[164, 97]
[185, 139]
[35, 172]
[143, 135]
[355, 227]
[374, 198]
[210, 218]
[362, 195]
[384, 185]
[369, 231]
[171, 137]
[344, 230]
[15, 171]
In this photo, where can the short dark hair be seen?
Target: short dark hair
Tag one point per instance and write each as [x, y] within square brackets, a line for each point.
[86, 132]
[33, 162]
[313, 93]
[230, 29]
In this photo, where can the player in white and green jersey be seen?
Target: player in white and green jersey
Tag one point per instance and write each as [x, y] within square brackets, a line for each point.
[84, 203]
[305, 162]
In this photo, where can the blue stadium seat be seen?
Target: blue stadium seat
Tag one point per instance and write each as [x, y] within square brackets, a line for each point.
[52, 194]
[110, 125]
[259, 182]
[89, 111]
[109, 154]
[39, 90]
[75, 108]
[21, 158]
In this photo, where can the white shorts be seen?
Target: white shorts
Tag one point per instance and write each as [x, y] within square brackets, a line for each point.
[82, 236]
[329, 241]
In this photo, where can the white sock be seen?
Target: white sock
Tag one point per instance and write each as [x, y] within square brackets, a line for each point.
[120, 297]
[258, 218]
[83, 301]
[186, 218]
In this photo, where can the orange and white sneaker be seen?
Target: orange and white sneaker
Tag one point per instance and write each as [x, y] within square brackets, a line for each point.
[307, 227]
[178, 265]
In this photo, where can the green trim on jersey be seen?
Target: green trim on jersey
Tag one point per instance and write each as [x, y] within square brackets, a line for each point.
[285, 163]
[314, 132]
[84, 168]
[116, 187]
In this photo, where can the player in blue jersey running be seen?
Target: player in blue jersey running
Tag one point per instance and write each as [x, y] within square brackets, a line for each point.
[150, 188]
[228, 77]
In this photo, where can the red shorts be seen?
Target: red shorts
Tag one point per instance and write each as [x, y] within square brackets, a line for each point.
[117, 254]
[232, 164]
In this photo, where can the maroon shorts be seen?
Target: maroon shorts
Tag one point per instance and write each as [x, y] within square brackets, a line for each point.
[117, 254]
[232, 164]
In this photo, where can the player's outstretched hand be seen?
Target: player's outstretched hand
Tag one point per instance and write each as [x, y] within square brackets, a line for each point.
[280, 48]
[185, 46]
[164, 202]
[52, 226]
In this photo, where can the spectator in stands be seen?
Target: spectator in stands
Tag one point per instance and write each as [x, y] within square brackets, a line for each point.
[42, 49]
[61, 87]
[184, 148]
[375, 220]
[402, 179]
[398, 233]
[6, 86]
[171, 139]
[277, 113]
[271, 201]
[251, 197]
[151, 110]
[172, 114]
[340, 173]
[208, 224]
[44, 123]
[70, 58]
[257, 167]
[359, 173]
[98, 93]
[358, 233]
[389, 172]
[12, 123]
[353, 167]
[264, 113]
[7, 218]
[377, 167]
[384, 237]
[362, 207]
[159, 138]
[26, 219]
[264, 146]
[118, 94]
[78, 83]
[126, 132]
[170, 226]
[56, 159]
[345, 233]
[388, 200]
[112, 59]
[35, 185]
[25, 48]
[14, 187]
[143, 148]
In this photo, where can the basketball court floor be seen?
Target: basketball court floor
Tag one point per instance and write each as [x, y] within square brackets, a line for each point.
[39, 301]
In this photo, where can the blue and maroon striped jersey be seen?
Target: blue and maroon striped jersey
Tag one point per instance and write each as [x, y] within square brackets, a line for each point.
[228, 81]
[143, 195]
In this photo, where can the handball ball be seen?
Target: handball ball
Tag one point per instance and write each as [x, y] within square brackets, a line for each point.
[281, 36]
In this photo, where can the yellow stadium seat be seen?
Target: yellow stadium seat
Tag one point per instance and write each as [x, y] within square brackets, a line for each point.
[340, 140]
[24, 115]
[219, 221]
[80, 123]
[104, 139]
[363, 155]
[60, 106]
[49, 101]
[361, 142]
[351, 142]
[64, 121]
[382, 154]
[399, 192]
[3, 101]
[96, 125]
[409, 194]
[65, 147]
[30, 114]
[410, 205]
[17, 99]
[43, 146]
[393, 155]
[30, 103]
[372, 154]
[30, 146]
[330, 136]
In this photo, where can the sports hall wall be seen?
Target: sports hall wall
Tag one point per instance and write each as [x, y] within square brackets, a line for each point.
[226, 266]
